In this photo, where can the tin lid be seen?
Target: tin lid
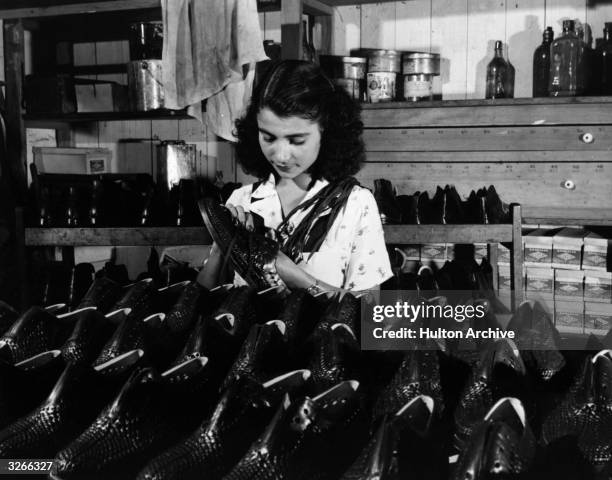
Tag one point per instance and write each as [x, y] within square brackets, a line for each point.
[343, 59]
[420, 55]
[383, 53]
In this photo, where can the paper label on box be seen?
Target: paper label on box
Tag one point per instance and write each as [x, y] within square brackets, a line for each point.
[569, 321]
[595, 257]
[570, 289]
[434, 251]
[598, 323]
[538, 255]
[539, 284]
[597, 290]
[566, 257]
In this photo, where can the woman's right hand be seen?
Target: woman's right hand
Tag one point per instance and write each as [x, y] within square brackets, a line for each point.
[241, 216]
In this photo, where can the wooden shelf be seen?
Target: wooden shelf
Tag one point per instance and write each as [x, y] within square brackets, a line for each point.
[567, 216]
[42, 120]
[468, 233]
[533, 112]
[69, 237]
[41, 8]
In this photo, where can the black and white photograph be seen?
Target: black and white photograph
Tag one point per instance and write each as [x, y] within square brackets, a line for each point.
[306, 239]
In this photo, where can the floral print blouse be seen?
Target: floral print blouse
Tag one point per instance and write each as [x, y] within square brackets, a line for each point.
[353, 255]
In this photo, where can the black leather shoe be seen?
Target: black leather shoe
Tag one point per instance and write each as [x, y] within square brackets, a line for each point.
[8, 315]
[328, 427]
[90, 334]
[253, 256]
[501, 447]
[102, 294]
[150, 414]
[24, 385]
[388, 206]
[242, 413]
[499, 373]
[36, 331]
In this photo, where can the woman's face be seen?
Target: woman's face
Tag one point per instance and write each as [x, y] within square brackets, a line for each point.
[290, 144]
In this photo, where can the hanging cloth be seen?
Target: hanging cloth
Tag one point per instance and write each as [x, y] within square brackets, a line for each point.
[208, 45]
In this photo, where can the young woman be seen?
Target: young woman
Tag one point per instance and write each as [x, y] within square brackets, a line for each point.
[301, 136]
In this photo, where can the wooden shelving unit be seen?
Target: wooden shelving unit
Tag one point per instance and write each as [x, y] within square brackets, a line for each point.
[46, 120]
[71, 237]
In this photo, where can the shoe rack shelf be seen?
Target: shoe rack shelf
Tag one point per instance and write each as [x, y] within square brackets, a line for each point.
[492, 234]
[72, 237]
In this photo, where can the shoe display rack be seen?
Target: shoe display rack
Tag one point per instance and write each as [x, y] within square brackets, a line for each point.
[550, 155]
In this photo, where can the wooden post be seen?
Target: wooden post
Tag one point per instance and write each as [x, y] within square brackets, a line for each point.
[291, 29]
[516, 265]
[15, 129]
[20, 250]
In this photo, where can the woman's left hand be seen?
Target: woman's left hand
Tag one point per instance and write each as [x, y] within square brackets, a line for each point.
[291, 274]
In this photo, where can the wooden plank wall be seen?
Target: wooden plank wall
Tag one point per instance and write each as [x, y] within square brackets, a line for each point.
[462, 31]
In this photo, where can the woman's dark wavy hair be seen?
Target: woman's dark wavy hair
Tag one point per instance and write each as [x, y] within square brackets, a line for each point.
[297, 88]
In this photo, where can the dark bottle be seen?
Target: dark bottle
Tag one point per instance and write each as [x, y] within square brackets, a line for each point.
[604, 55]
[71, 218]
[567, 63]
[499, 75]
[541, 64]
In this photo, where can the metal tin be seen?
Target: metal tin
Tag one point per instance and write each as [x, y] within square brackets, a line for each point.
[384, 61]
[335, 66]
[175, 161]
[145, 83]
[418, 87]
[146, 40]
[381, 86]
[415, 63]
[355, 88]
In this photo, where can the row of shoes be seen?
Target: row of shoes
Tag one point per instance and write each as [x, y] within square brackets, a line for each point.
[56, 282]
[112, 200]
[181, 382]
[446, 206]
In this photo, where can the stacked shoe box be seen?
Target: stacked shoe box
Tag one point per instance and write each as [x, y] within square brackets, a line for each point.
[569, 279]
[597, 284]
[539, 275]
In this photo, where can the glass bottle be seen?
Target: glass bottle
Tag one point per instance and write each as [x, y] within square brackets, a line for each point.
[604, 55]
[541, 64]
[497, 74]
[566, 63]
[307, 50]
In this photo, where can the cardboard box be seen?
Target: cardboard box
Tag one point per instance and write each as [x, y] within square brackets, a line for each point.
[540, 280]
[504, 254]
[504, 280]
[480, 251]
[596, 252]
[567, 248]
[569, 284]
[433, 251]
[101, 97]
[597, 318]
[597, 286]
[538, 247]
[72, 160]
[569, 316]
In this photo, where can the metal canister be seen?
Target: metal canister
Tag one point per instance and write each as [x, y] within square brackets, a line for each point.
[381, 86]
[383, 68]
[414, 63]
[146, 40]
[384, 61]
[419, 68]
[145, 84]
[348, 73]
[418, 87]
[176, 160]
